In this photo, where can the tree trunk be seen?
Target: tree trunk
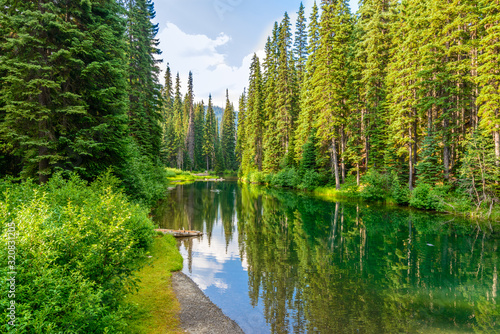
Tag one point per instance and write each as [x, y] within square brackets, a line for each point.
[410, 160]
[357, 174]
[335, 164]
[446, 150]
[342, 147]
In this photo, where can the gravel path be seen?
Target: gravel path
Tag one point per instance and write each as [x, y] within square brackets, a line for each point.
[198, 314]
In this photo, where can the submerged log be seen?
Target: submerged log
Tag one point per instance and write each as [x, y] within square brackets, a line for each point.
[180, 233]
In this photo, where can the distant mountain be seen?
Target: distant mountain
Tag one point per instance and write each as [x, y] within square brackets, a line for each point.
[219, 111]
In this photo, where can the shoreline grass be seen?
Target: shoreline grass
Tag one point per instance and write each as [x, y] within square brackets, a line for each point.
[155, 306]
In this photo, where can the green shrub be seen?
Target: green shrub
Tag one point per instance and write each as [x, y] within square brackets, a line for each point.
[286, 178]
[400, 192]
[144, 181]
[76, 250]
[375, 186]
[310, 180]
[421, 197]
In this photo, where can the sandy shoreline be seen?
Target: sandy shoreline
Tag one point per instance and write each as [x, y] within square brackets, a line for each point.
[198, 313]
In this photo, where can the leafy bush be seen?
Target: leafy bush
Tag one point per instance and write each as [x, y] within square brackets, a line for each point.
[286, 178]
[310, 180]
[76, 250]
[421, 197]
[375, 186]
[400, 192]
[144, 181]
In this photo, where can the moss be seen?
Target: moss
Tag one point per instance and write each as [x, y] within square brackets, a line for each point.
[155, 307]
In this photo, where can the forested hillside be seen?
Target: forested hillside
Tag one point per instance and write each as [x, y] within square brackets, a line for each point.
[402, 96]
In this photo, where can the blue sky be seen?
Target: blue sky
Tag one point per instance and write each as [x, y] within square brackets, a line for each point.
[216, 39]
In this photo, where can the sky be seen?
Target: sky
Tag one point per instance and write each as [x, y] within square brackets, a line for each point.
[216, 39]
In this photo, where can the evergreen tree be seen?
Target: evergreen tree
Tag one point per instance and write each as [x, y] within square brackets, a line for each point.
[144, 89]
[190, 116]
[300, 46]
[179, 124]
[375, 23]
[199, 124]
[254, 122]
[305, 117]
[270, 142]
[330, 79]
[489, 76]
[228, 136]
[168, 148]
[210, 135]
[63, 88]
[241, 136]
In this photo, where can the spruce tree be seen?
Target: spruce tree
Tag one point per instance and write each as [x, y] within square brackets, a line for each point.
[209, 135]
[189, 113]
[254, 123]
[241, 137]
[62, 91]
[144, 89]
[489, 76]
[270, 143]
[305, 117]
[179, 123]
[300, 50]
[168, 149]
[228, 136]
[330, 79]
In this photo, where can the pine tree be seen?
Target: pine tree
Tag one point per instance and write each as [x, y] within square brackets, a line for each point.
[330, 78]
[489, 76]
[228, 136]
[285, 113]
[179, 123]
[189, 112]
[241, 136]
[300, 46]
[168, 148]
[254, 123]
[144, 89]
[209, 135]
[270, 142]
[199, 124]
[63, 86]
[375, 23]
[305, 117]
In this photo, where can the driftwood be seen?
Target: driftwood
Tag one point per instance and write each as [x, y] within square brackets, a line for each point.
[180, 233]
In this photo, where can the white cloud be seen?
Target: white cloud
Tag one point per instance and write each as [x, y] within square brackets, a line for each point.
[201, 55]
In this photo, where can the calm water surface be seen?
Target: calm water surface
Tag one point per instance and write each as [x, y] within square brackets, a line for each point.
[282, 262]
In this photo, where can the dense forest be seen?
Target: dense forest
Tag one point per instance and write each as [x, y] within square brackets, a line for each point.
[79, 90]
[401, 98]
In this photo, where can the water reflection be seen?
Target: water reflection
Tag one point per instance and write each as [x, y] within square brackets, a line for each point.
[277, 261]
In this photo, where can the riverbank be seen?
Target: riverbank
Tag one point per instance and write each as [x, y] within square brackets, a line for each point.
[177, 176]
[377, 187]
[155, 306]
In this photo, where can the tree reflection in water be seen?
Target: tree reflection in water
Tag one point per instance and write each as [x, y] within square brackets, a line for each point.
[347, 267]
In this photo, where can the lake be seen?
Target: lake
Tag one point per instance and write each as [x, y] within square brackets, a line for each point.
[279, 261]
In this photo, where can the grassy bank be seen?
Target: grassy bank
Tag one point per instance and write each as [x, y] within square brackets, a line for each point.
[178, 176]
[155, 305]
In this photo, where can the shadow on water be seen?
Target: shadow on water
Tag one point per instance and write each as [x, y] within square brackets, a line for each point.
[280, 261]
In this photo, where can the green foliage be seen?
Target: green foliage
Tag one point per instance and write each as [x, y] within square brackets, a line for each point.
[400, 193]
[375, 186]
[76, 250]
[144, 180]
[428, 197]
[288, 177]
[310, 180]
